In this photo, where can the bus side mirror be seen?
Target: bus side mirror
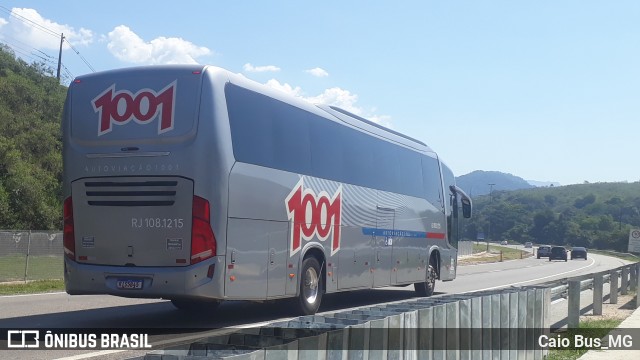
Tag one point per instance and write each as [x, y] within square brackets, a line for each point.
[466, 208]
[464, 199]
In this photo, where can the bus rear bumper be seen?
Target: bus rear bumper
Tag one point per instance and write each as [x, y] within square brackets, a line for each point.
[146, 282]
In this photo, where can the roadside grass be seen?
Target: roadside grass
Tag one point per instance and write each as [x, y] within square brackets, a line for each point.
[589, 329]
[494, 254]
[32, 287]
[628, 257]
[43, 267]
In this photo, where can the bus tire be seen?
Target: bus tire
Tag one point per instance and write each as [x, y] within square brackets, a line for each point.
[196, 305]
[310, 286]
[426, 288]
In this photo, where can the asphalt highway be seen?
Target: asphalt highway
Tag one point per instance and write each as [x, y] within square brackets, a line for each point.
[59, 310]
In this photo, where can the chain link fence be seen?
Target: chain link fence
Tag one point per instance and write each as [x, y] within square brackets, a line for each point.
[38, 255]
[30, 255]
[465, 248]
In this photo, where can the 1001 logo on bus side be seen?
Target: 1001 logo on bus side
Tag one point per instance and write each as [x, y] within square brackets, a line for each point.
[313, 215]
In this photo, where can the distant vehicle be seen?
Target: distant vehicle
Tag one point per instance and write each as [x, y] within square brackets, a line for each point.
[578, 252]
[544, 251]
[558, 253]
[504, 242]
[528, 245]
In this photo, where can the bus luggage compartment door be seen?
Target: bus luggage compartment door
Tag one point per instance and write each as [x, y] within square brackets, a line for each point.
[256, 259]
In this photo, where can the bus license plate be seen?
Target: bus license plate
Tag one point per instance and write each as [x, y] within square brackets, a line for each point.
[129, 284]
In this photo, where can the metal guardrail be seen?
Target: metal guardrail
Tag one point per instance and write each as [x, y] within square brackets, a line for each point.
[464, 326]
[571, 289]
[560, 289]
[501, 323]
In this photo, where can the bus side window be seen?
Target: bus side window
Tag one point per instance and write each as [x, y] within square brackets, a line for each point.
[432, 183]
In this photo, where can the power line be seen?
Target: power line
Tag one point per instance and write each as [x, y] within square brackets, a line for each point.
[69, 74]
[27, 53]
[81, 57]
[27, 48]
[48, 31]
[28, 21]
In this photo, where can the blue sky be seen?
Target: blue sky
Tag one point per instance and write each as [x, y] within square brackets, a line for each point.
[545, 90]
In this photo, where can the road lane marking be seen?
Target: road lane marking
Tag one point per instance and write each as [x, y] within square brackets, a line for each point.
[528, 281]
[215, 332]
[38, 294]
[92, 354]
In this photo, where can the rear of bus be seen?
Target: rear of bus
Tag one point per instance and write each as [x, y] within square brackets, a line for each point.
[144, 184]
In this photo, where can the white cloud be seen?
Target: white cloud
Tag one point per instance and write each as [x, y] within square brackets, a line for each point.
[127, 46]
[335, 97]
[250, 68]
[29, 27]
[317, 72]
[338, 97]
[297, 91]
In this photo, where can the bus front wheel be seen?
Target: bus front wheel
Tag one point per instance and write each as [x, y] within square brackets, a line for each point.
[310, 286]
[427, 287]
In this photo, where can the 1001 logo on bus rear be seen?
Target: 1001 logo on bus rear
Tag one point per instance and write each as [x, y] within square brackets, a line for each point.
[313, 215]
[120, 107]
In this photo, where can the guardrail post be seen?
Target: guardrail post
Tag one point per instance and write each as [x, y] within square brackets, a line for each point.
[452, 328]
[476, 326]
[613, 287]
[634, 277]
[487, 325]
[425, 339]
[440, 333]
[504, 325]
[624, 280]
[637, 285]
[464, 328]
[598, 282]
[573, 318]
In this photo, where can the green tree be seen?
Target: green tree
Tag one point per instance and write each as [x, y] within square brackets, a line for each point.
[31, 103]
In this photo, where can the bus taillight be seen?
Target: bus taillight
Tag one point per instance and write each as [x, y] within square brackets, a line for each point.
[68, 238]
[203, 242]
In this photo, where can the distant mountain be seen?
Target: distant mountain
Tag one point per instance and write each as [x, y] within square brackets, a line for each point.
[477, 182]
[543, 183]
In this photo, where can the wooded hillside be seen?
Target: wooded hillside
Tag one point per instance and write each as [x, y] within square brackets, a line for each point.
[592, 215]
[31, 102]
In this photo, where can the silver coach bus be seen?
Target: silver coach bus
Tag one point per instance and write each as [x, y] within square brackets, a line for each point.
[197, 185]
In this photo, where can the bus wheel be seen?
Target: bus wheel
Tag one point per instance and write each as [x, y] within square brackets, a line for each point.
[310, 286]
[196, 305]
[426, 288]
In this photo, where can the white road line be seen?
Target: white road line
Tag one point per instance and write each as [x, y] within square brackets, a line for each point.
[39, 294]
[170, 341]
[532, 280]
[92, 354]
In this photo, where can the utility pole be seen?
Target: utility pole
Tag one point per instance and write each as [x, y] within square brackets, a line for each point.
[60, 56]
